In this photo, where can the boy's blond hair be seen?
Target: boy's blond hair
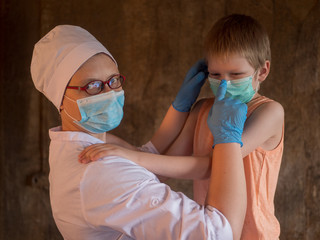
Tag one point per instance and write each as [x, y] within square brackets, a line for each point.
[239, 34]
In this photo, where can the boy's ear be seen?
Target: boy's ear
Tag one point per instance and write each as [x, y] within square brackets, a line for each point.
[264, 71]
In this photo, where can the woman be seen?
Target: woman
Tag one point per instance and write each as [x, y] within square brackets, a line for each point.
[115, 198]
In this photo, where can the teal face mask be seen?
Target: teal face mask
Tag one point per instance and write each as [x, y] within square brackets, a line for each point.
[100, 113]
[240, 89]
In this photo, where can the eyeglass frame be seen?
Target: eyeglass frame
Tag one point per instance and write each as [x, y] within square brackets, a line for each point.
[84, 88]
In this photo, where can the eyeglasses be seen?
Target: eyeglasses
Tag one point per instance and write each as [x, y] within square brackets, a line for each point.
[96, 86]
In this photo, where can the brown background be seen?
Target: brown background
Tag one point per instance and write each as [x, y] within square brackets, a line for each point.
[155, 43]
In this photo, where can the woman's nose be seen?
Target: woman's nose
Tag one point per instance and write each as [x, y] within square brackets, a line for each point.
[106, 88]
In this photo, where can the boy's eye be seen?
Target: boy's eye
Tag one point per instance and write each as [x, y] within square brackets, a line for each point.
[214, 74]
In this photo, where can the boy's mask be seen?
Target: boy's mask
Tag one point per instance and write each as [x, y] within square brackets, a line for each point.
[240, 89]
[100, 113]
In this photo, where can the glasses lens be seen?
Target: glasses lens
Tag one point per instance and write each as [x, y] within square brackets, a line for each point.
[94, 87]
[115, 82]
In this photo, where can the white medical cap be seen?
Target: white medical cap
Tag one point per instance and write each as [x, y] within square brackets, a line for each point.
[58, 55]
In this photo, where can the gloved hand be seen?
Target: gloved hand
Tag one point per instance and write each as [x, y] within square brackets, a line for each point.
[226, 118]
[191, 86]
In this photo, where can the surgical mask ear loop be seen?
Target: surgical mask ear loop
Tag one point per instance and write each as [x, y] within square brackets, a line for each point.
[69, 115]
[258, 85]
[66, 110]
[70, 98]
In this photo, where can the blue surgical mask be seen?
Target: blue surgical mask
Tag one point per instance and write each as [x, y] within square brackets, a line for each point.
[240, 89]
[100, 113]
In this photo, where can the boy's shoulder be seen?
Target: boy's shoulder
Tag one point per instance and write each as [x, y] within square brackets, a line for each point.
[267, 119]
[266, 107]
[261, 105]
[202, 107]
[203, 103]
[265, 102]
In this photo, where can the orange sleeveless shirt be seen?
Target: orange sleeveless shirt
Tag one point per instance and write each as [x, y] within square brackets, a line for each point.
[261, 171]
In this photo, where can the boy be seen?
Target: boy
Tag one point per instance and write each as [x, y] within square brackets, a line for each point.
[237, 50]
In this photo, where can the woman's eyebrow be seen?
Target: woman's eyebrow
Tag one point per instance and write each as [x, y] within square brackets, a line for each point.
[111, 75]
[81, 82]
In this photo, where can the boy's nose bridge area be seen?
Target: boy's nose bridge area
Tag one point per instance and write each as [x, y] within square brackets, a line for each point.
[159, 41]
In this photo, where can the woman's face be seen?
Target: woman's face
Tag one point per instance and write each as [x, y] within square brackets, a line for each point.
[99, 67]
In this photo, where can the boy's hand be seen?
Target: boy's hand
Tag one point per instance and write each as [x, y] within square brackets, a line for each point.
[226, 117]
[191, 86]
[100, 150]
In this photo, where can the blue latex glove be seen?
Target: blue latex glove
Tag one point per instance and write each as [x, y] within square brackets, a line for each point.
[226, 118]
[191, 86]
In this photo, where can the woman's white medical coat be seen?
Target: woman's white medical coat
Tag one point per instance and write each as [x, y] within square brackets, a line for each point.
[114, 198]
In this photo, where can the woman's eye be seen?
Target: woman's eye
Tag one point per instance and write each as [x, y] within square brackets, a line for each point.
[113, 80]
[94, 84]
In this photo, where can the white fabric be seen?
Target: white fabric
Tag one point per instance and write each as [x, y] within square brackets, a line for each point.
[58, 55]
[149, 148]
[115, 198]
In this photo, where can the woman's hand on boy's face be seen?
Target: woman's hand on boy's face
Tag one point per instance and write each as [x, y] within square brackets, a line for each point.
[100, 150]
[226, 117]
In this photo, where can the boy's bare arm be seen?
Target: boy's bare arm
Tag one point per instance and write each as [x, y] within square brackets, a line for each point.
[112, 139]
[263, 128]
[184, 166]
[188, 167]
[183, 144]
[178, 112]
[178, 167]
[168, 166]
[169, 129]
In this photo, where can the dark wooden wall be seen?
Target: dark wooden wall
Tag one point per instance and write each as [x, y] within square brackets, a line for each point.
[155, 42]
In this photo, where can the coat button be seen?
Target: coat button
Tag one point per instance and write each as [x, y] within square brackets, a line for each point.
[155, 202]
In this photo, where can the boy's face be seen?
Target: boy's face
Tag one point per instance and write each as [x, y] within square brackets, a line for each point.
[236, 67]
[231, 68]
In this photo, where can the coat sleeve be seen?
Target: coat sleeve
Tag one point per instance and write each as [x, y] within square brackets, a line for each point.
[118, 194]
